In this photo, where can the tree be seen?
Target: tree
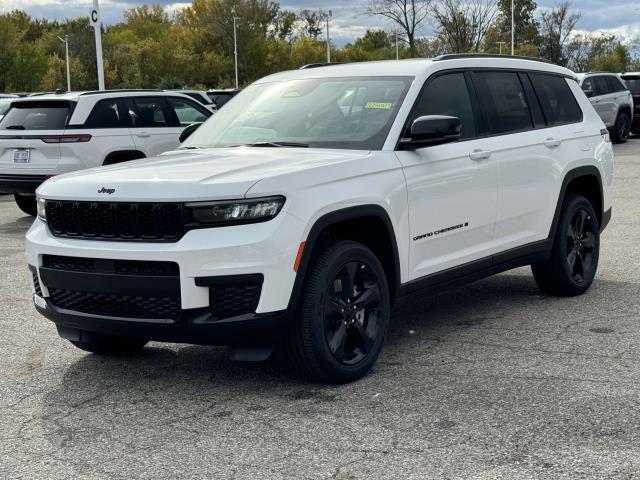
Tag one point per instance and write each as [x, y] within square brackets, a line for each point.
[463, 24]
[375, 40]
[557, 25]
[313, 22]
[407, 15]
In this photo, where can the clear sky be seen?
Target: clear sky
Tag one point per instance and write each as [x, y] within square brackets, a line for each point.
[621, 17]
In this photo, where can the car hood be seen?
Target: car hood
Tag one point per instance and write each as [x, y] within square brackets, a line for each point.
[204, 174]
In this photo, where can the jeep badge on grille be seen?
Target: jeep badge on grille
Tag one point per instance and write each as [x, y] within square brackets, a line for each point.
[107, 190]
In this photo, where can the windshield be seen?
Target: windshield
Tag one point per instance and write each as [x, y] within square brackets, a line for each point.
[343, 113]
[45, 115]
[633, 83]
[4, 105]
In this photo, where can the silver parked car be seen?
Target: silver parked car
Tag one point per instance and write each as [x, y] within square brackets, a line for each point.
[612, 100]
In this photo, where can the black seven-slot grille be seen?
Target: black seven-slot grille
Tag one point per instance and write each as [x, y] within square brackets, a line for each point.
[113, 288]
[162, 222]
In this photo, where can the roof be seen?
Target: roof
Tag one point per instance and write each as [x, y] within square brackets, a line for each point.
[75, 96]
[417, 67]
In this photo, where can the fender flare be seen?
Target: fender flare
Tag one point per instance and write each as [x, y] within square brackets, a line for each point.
[127, 154]
[340, 215]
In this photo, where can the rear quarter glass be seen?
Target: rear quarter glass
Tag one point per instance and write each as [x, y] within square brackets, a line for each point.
[41, 115]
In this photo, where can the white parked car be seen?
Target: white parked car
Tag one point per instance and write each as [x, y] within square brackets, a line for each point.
[315, 199]
[44, 136]
[612, 100]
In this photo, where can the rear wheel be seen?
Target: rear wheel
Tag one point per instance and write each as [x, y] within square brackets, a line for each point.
[344, 316]
[108, 344]
[576, 247]
[26, 203]
[621, 129]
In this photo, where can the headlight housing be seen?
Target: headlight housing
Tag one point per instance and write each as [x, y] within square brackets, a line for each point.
[42, 212]
[235, 212]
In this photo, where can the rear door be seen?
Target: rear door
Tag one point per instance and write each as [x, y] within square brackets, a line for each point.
[28, 135]
[604, 100]
[155, 128]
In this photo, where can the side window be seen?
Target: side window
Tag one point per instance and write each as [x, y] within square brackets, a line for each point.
[447, 95]
[588, 86]
[150, 113]
[601, 85]
[110, 113]
[615, 84]
[558, 103]
[503, 97]
[187, 112]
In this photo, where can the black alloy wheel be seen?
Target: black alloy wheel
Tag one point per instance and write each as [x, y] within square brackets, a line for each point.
[581, 244]
[352, 313]
[622, 128]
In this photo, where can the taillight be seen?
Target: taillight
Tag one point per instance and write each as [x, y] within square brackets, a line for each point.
[605, 135]
[66, 138]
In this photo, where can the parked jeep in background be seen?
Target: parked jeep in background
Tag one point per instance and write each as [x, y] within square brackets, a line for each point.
[612, 100]
[44, 136]
[632, 81]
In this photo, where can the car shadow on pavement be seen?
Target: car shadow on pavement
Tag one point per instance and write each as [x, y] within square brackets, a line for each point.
[18, 226]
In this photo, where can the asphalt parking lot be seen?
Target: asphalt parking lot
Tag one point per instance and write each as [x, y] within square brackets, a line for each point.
[491, 380]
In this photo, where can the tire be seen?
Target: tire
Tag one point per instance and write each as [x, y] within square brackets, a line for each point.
[333, 339]
[26, 203]
[621, 129]
[108, 345]
[572, 266]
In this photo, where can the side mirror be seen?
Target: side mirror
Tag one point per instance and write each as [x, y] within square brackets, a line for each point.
[186, 133]
[432, 130]
[588, 93]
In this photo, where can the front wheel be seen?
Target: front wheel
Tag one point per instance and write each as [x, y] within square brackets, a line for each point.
[576, 248]
[621, 129]
[344, 316]
[26, 203]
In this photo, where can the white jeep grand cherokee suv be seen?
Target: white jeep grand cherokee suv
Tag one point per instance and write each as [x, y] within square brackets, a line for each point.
[300, 212]
[52, 134]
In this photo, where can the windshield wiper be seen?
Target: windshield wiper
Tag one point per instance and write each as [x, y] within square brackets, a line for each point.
[277, 144]
[15, 127]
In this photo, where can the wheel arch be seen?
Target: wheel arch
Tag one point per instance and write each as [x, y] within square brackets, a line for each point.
[586, 181]
[120, 156]
[354, 223]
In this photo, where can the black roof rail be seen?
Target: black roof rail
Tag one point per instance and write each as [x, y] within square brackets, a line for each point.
[453, 56]
[316, 65]
[124, 90]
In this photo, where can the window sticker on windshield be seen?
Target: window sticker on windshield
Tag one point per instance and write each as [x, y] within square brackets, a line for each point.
[378, 105]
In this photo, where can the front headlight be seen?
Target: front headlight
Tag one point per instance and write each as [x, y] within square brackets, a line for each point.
[235, 212]
[42, 212]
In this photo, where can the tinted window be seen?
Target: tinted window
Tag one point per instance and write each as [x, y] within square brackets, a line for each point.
[188, 112]
[111, 113]
[601, 85]
[503, 98]
[615, 84]
[558, 103]
[199, 97]
[220, 98]
[36, 116]
[588, 86]
[150, 113]
[447, 95]
[633, 83]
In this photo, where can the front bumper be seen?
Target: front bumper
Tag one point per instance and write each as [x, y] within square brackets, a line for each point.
[204, 258]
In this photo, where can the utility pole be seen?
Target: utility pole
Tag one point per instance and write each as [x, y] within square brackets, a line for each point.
[235, 44]
[397, 49]
[65, 40]
[513, 23]
[328, 39]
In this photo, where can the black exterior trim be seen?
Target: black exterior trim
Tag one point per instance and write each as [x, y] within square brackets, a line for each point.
[122, 156]
[606, 218]
[584, 171]
[484, 267]
[10, 183]
[335, 217]
[229, 280]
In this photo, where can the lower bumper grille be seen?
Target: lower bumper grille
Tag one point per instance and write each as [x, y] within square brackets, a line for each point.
[124, 306]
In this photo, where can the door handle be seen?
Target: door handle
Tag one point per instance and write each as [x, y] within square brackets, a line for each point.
[479, 154]
[143, 134]
[552, 142]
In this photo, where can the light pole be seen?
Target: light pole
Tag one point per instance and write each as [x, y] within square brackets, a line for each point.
[328, 39]
[235, 44]
[397, 49]
[512, 29]
[65, 40]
